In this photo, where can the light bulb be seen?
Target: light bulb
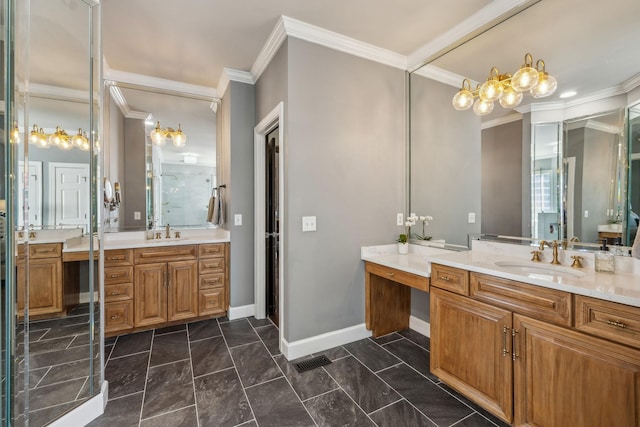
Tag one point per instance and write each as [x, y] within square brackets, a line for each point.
[546, 85]
[526, 77]
[15, 134]
[491, 90]
[158, 136]
[482, 107]
[179, 138]
[463, 100]
[511, 98]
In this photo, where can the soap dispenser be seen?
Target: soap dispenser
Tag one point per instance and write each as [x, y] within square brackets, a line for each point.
[605, 260]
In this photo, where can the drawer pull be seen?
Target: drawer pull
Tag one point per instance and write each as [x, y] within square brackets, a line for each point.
[390, 274]
[113, 276]
[114, 317]
[445, 278]
[115, 293]
[212, 301]
[616, 323]
[513, 344]
[504, 341]
[117, 258]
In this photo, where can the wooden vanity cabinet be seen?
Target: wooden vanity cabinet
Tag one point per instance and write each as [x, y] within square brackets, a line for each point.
[165, 289]
[213, 272]
[534, 372]
[45, 279]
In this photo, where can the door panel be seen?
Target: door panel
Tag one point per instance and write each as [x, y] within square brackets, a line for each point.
[272, 225]
[183, 290]
[71, 192]
[150, 294]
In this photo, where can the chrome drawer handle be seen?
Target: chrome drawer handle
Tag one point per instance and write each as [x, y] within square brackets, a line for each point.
[616, 323]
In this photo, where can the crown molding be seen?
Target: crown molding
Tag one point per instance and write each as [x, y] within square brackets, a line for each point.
[60, 93]
[484, 19]
[443, 76]
[631, 83]
[228, 75]
[602, 127]
[158, 83]
[311, 33]
[513, 117]
[122, 104]
[269, 50]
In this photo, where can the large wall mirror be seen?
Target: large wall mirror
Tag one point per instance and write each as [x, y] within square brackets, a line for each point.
[550, 168]
[51, 271]
[162, 155]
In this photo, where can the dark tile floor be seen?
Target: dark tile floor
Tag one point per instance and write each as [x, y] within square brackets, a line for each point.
[230, 373]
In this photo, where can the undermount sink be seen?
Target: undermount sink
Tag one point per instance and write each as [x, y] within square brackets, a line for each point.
[540, 271]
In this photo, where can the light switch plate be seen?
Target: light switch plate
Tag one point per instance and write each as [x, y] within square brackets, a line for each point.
[400, 219]
[308, 223]
[136, 216]
[472, 218]
[237, 219]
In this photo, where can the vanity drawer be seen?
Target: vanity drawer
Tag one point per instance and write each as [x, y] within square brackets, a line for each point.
[45, 250]
[212, 265]
[399, 276]
[118, 292]
[165, 253]
[211, 250]
[116, 257]
[535, 301]
[609, 320]
[118, 316]
[113, 275]
[211, 281]
[212, 301]
[450, 278]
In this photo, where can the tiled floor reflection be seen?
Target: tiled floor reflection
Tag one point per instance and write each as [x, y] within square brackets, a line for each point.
[230, 373]
[58, 366]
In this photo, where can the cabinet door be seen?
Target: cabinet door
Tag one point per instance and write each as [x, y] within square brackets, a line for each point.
[566, 378]
[471, 350]
[150, 294]
[45, 287]
[183, 290]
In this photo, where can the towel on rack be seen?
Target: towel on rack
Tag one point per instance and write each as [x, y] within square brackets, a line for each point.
[212, 203]
[218, 210]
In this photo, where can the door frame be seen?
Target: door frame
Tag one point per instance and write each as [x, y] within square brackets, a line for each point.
[275, 118]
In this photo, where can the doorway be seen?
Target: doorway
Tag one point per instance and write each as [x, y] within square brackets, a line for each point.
[272, 224]
[69, 193]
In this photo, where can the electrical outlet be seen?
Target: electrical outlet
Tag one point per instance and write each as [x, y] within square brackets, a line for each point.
[586, 214]
[308, 223]
[400, 219]
[136, 216]
[237, 219]
[472, 218]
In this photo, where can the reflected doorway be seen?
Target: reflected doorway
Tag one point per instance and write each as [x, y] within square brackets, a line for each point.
[272, 225]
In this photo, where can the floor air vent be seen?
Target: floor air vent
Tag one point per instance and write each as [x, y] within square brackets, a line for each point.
[313, 363]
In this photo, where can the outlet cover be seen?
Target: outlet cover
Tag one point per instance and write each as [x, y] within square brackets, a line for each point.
[400, 219]
[237, 219]
[472, 218]
[308, 223]
[136, 216]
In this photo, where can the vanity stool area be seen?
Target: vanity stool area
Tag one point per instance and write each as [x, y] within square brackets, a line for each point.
[553, 347]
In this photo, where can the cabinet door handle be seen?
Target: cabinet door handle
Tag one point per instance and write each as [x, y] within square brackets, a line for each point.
[505, 351]
[513, 344]
[616, 323]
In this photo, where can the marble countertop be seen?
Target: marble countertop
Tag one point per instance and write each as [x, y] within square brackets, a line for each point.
[622, 286]
[414, 262]
[129, 240]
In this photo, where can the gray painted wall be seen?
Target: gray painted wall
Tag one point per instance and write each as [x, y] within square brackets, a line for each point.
[445, 161]
[526, 175]
[501, 211]
[134, 194]
[344, 163]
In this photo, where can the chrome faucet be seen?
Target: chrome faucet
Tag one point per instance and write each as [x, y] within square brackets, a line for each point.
[167, 234]
[554, 246]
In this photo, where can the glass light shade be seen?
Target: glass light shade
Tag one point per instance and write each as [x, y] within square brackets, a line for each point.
[463, 100]
[179, 139]
[79, 139]
[525, 78]
[65, 144]
[482, 107]
[511, 98]
[34, 136]
[158, 135]
[491, 90]
[15, 134]
[56, 137]
[546, 85]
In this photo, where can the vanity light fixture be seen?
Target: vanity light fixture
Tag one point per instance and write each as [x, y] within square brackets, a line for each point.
[506, 89]
[159, 136]
[15, 133]
[60, 139]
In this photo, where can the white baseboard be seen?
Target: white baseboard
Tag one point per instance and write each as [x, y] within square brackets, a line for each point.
[242, 311]
[87, 412]
[420, 326]
[318, 343]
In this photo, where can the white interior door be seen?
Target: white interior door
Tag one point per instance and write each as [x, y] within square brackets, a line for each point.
[70, 193]
[35, 194]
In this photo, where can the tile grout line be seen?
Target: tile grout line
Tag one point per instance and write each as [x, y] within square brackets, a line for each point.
[170, 412]
[193, 378]
[146, 377]
[323, 393]
[464, 403]
[80, 391]
[244, 391]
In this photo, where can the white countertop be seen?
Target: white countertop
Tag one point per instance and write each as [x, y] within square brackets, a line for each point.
[137, 239]
[414, 262]
[622, 286]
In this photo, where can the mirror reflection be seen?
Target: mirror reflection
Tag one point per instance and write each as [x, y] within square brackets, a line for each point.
[542, 175]
[162, 149]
